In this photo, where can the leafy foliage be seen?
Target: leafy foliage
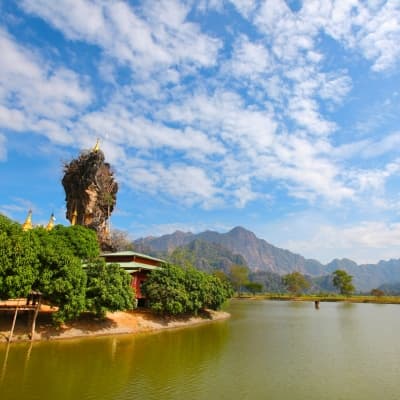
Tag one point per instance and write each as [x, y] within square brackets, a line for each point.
[343, 282]
[51, 262]
[239, 276]
[254, 287]
[166, 292]
[108, 288]
[18, 262]
[82, 241]
[61, 278]
[174, 290]
[296, 282]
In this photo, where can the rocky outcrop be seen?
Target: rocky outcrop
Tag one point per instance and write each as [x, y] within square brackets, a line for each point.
[90, 193]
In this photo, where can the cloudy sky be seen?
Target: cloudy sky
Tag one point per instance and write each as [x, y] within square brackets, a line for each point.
[279, 116]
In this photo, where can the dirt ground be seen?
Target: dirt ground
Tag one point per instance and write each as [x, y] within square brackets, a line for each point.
[136, 321]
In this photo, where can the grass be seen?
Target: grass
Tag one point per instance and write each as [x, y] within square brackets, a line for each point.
[326, 298]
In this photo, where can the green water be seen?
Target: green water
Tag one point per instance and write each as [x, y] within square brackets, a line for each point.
[267, 350]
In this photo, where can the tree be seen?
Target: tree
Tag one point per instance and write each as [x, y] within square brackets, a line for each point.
[296, 282]
[239, 276]
[18, 260]
[377, 292]
[217, 291]
[61, 278]
[343, 282]
[254, 287]
[173, 290]
[165, 290]
[108, 288]
[81, 241]
[120, 240]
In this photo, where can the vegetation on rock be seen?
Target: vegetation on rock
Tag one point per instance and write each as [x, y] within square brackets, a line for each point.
[90, 191]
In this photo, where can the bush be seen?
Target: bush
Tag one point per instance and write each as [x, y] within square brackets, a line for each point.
[108, 288]
[173, 290]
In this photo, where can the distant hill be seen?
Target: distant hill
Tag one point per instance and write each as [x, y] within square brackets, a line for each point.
[261, 256]
[208, 256]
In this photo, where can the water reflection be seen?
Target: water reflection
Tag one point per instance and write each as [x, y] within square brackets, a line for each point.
[267, 350]
[106, 367]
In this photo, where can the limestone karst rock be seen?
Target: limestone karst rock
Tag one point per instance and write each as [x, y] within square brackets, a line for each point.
[90, 190]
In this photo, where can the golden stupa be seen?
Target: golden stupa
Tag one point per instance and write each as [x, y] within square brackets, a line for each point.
[28, 222]
[50, 224]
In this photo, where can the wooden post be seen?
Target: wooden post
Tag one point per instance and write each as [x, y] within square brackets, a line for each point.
[13, 323]
[35, 316]
[4, 368]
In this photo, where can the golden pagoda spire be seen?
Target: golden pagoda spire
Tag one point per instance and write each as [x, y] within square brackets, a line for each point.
[96, 147]
[50, 224]
[74, 217]
[28, 222]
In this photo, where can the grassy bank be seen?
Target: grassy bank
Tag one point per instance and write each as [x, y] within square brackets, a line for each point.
[327, 298]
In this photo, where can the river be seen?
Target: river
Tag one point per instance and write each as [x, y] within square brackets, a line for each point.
[266, 350]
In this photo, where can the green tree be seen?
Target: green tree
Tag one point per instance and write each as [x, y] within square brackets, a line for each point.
[343, 282]
[18, 260]
[61, 278]
[217, 291]
[196, 288]
[239, 276]
[81, 241]
[295, 282]
[254, 287]
[174, 290]
[165, 290]
[108, 288]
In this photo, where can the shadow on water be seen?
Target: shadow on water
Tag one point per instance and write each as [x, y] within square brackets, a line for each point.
[102, 368]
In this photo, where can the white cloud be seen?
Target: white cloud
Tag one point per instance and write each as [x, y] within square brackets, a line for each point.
[35, 95]
[192, 185]
[249, 59]
[260, 117]
[365, 242]
[155, 36]
[245, 7]
[369, 148]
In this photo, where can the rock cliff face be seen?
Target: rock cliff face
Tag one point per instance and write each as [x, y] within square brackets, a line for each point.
[259, 254]
[264, 258]
[90, 193]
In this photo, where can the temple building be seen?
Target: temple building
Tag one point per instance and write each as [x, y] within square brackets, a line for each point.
[137, 265]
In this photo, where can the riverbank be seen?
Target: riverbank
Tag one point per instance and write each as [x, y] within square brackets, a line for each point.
[127, 322]
[332, 298]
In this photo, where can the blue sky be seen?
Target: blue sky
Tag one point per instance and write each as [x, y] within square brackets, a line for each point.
[279, 116]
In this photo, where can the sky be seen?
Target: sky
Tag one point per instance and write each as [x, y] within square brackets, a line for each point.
[279, 116]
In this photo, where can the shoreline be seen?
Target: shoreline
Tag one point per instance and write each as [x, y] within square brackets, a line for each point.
[327, 299]
[121, 322]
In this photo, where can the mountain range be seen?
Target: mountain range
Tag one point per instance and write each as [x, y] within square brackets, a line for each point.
[212, 250]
